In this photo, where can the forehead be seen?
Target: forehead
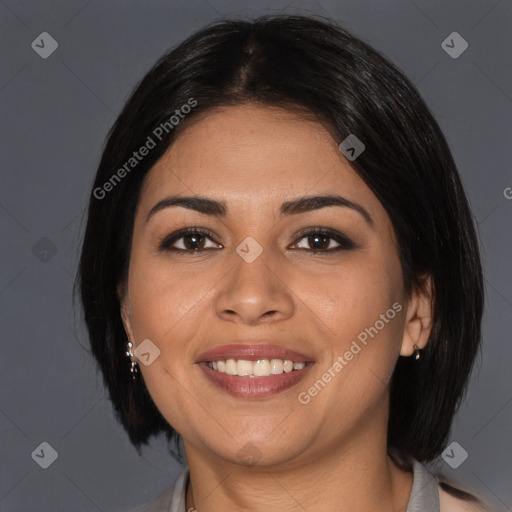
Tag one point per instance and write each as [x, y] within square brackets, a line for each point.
[250, 156]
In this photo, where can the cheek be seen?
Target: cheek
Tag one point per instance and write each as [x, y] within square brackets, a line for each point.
[360, 308]
[165, 299]
[166, 308]
[351, 297]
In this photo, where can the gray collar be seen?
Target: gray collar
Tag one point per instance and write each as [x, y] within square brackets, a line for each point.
[424, 493]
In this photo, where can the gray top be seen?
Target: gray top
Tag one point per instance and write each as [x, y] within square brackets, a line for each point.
[424, 494]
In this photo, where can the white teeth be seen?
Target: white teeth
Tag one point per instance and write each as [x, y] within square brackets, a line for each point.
[276, 366]
[259, 368]
[243, 367]
[231, 367]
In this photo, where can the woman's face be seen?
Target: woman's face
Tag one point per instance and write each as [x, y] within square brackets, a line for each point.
[256, 281]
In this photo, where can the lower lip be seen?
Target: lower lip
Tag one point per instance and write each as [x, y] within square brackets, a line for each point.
[254, 387]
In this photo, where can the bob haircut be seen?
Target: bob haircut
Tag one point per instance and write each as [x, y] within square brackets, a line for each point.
[312, 67]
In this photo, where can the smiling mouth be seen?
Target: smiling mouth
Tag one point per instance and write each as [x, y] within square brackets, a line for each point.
[258, 368]
[254, 370]
[252, 386]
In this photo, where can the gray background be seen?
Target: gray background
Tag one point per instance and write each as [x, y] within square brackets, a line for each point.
[55, 115]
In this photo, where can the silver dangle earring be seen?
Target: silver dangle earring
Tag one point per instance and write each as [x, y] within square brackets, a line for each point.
[129, 353]
[417, 352]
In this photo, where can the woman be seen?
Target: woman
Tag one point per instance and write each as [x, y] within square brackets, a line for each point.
[279, 241]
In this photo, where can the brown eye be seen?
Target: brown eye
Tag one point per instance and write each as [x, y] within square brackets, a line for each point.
[194, 240]
[321, 240]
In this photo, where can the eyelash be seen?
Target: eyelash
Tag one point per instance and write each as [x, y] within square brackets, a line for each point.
[344, 241]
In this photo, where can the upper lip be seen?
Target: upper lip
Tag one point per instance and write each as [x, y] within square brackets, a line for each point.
[252, 352]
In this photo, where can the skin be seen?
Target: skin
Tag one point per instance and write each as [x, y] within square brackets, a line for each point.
[255, 158]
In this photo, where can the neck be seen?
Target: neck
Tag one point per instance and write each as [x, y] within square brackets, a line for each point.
[351, 478]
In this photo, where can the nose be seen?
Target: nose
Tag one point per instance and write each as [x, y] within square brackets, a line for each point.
[255, 292]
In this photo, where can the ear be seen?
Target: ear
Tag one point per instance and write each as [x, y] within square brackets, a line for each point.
[418, 321]
[126, 315]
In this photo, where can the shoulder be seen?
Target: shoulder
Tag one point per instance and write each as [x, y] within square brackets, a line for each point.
[171, 499]
[455, 500]
[432, 491]
[159, 504]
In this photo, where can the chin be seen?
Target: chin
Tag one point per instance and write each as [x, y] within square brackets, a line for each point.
[259, 451]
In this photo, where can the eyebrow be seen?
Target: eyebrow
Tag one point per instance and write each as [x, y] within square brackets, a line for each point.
[213, 207]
